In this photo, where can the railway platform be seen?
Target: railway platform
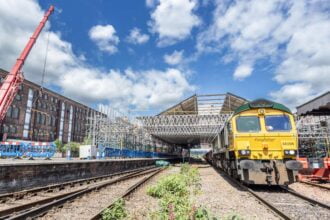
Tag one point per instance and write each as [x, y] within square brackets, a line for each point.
[25, 174]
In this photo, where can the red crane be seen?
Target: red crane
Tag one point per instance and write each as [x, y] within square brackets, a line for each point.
[10, 84]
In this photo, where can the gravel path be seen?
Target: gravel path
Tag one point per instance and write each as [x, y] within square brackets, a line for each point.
[90, 204]
[223, 199]
[319, 194]
[140, 205]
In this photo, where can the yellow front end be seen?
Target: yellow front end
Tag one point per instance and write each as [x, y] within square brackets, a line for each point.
[264, 144]
[265, 154]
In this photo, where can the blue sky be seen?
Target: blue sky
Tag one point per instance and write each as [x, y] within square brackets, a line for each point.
[148, 55]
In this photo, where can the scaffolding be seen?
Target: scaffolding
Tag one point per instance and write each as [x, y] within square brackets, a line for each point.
[313, 127]
[314, 135]
[108, 127]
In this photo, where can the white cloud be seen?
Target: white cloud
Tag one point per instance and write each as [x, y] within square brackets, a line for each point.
[69, 72]
[105, 38]
[173, 20]
[293, 35]
[151, 3]
[136, 37]
[175, 58]
[243, 71]
[152, 88]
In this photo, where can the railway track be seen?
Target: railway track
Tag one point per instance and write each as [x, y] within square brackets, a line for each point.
[286, 203]
[290, 204]
[40, 207]
[53, 188]
[126, 194]
[316, 185]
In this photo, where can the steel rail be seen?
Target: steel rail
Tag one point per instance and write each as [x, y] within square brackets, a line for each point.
[49, 188]
[254, 194]
[127, 193]
[314, 184]
[308, 199]
[43, 208]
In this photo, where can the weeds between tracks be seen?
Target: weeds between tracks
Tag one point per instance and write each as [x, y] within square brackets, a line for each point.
[175, 193]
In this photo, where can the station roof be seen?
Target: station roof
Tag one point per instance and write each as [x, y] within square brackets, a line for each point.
[320, 105]
[209, 104]
[194, 120]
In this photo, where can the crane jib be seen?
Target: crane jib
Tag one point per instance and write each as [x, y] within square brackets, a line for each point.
[11, 82]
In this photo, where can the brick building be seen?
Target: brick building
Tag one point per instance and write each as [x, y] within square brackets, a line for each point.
[44, 116]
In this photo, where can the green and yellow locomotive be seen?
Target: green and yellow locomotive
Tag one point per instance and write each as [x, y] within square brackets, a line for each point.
[258, 144]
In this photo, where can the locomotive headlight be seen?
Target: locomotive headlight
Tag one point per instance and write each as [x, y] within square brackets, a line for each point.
[289, 152]
[244, 152]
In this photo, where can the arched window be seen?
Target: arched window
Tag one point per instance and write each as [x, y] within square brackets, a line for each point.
[18, 97]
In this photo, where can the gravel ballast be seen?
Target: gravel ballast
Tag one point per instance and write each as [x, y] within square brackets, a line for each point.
[319, 194]
[140, 205]
[223, 199]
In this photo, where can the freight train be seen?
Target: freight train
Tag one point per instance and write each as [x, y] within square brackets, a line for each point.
[258, 144]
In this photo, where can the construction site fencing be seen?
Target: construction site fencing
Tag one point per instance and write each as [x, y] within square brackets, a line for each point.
[127, 153]
[27, 149]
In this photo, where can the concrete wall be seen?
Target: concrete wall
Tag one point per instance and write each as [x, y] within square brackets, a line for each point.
[14, 177]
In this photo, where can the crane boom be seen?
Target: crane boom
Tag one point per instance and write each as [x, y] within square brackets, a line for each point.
[10, 84]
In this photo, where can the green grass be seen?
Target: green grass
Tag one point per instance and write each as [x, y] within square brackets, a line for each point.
[116, 212]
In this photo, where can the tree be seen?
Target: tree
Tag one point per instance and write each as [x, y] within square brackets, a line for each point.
[74, 147]
[59, 146]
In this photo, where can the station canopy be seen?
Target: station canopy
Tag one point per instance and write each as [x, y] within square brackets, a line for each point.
[317, 106]
[197, 119]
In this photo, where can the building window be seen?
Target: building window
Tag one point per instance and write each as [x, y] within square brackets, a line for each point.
[54, 121]
[8, 114]
[5, 129]
[15, 112]
[20, 87]
[38, 117]
[51, 134]
[18, 97]
[39, 104]
[44, 105]
[45, 96]
[13, 129]
[43, 119]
